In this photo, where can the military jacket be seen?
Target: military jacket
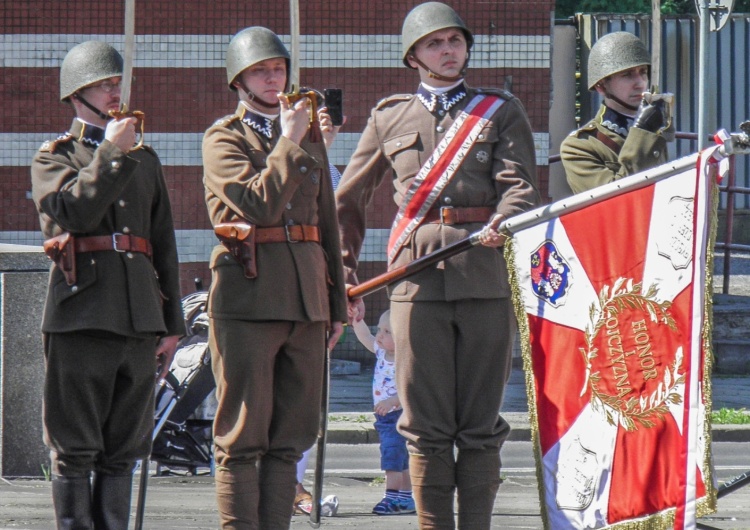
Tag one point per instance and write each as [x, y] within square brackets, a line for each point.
[91, 190]
[499, 171]
[589, 162]
[251, 173]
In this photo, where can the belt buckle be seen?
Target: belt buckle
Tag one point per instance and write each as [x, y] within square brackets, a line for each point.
[114, 242]
[443, 214]
[289, 234]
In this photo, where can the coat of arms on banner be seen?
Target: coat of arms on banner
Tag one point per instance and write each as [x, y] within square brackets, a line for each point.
[550, 274]
[675, 240]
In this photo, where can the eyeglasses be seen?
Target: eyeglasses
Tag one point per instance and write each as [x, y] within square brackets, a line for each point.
[106, 86]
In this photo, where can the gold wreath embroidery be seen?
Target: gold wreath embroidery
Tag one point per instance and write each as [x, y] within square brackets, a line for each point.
[635, 410]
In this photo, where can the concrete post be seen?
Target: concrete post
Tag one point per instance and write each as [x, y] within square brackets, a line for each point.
[23, 287]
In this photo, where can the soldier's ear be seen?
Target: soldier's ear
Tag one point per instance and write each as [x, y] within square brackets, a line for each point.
[412, 62]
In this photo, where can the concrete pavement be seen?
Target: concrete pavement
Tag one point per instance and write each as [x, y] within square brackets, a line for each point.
[178, 502]
[188, 503]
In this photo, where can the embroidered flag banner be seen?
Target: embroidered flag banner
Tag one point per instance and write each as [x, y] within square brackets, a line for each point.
[611, 290]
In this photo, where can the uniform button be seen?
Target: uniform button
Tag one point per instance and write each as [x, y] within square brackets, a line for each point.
[130, 255]
[441, 112]
[115, 164]
[290, 222]
[656, 154]
[74, 289]
[125, 230]
[303, 169]
[121, 203]
[440, 128]
[480, 137]
[226, 257]
[399, 144]
[289, 206]
[447, 200]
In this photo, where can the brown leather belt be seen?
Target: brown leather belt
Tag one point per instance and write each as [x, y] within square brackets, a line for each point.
[288, 233]
[448, 215]
[116, 242]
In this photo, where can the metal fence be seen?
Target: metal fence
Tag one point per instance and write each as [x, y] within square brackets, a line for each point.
[727, 98]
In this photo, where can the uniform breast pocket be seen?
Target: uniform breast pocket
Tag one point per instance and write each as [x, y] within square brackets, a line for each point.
[404, 153]
[257, 159]
[480, 156]
[311, 185]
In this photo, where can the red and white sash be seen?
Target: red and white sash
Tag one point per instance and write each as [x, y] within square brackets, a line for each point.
[439, 169]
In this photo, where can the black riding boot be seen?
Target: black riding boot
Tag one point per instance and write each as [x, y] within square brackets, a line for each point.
[111, 506]
[71, 497]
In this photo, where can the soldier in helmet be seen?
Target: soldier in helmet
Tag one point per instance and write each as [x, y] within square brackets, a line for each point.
[630, 131]
[113, 314]
[277, 282]
[453, 323]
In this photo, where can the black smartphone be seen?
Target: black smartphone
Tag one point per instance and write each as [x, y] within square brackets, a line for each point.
[334, 102]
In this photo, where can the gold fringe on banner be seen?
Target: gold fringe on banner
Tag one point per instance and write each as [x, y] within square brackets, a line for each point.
[665, 519]
[528, 370]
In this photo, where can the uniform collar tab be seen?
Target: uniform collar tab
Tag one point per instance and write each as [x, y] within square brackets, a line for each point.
[262, 124]
[434, 102]
[616, 121]
[87, 133]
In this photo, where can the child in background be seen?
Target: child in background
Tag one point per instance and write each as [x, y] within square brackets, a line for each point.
[394, 458]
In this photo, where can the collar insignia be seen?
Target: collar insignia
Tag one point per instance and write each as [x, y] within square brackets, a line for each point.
[435, 102]
[258, 123]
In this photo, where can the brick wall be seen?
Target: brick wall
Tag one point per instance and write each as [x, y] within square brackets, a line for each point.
[180, 82]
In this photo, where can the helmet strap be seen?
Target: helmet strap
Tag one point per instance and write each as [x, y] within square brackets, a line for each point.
[433, 75]
[92, 108]
[272, 109]
[617, 100]
[609, 95]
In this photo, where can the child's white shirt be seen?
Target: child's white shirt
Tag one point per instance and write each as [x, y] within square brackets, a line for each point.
[384, 378]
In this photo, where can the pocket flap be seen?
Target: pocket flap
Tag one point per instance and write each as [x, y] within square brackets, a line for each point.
[399, 143]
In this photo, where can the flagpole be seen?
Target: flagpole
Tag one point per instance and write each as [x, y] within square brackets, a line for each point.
[599, 194]
[524, 220]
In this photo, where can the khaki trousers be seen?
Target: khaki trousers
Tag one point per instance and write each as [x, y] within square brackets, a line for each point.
[452, 364]
[269, 379]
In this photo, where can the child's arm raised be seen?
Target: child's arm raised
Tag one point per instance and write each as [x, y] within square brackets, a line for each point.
[363, 333]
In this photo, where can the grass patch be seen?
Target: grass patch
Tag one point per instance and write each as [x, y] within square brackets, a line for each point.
[726, 416]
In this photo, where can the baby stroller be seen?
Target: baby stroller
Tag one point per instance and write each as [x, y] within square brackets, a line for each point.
[186, 402]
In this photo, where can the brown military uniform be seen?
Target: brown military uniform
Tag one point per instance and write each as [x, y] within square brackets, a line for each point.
[107, 323]
[595, 155]
[453, 324]
[268, 333]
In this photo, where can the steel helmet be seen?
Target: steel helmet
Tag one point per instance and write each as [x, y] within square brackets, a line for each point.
[251, 46]
[87, 63]
[426, 18]
[616, 52]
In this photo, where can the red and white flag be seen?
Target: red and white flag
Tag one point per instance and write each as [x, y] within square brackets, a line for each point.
[610, 292]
